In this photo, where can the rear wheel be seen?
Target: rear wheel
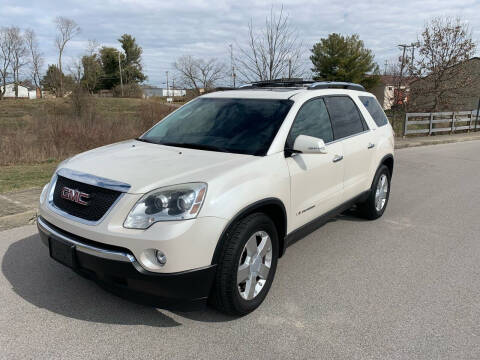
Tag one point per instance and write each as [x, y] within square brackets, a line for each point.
[377, 201]
[246, 266]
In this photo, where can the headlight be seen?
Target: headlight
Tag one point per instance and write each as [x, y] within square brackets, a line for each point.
[178, 202]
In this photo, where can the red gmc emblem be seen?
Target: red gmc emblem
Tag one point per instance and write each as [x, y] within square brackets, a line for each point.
[74, 195]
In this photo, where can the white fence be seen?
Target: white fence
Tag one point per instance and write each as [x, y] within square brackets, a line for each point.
[429, 123]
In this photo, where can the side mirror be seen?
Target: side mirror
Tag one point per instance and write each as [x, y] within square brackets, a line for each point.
[309, 145]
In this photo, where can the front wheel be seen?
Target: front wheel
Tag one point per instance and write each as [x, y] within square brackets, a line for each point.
[246, 266]
[377, 201]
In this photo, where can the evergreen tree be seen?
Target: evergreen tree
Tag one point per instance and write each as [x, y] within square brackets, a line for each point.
[344, 58]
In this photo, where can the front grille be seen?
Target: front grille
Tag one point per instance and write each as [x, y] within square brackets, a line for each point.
[99, 201]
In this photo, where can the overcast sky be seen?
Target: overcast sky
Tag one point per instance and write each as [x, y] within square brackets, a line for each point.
[168, 29]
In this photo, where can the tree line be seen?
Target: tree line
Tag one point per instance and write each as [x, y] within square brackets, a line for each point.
[273, 50]
[101, 67]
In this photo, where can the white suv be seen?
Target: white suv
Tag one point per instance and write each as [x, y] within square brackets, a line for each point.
[204, 203]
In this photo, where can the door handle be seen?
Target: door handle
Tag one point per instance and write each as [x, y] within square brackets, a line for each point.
[371, 145]
[337, 158]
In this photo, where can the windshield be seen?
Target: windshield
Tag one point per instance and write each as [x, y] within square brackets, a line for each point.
[245, 126]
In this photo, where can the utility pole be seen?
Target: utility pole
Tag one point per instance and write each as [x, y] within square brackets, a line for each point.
[400, 80]
[290, 68]
[232, 65]
[120, 68]
[173, 87]
[385, 69]
[413, 58]
[168, 94]
[403, 58]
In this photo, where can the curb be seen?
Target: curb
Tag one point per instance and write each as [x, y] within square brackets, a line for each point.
[433, 142]
[16, 220]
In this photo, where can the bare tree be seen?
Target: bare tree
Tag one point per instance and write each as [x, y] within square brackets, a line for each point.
[271, 52]
[444, 45]
[19, 55]
[92, 47]
[67, 29]
[36, 58]
[197, 73]
[5, 58]
[76, 71]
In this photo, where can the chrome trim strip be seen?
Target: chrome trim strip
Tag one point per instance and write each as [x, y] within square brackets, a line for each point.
[349, 136]
[87, 249]
[60, 212]
[94, 180]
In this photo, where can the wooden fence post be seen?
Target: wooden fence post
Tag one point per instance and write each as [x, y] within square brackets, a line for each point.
[430, 125]
[478, 109]
[453, 123]
[470, 122]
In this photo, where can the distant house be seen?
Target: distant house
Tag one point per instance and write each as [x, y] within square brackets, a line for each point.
[23, 92]
[460, 93]
[174, 92]
[149, 91]
[388, 91]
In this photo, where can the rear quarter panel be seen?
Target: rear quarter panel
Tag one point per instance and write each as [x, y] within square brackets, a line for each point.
[382, 136]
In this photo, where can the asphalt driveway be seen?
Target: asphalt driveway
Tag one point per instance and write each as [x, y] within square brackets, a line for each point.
[406, 286]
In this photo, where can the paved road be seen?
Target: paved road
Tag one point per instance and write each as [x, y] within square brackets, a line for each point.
[404, 287]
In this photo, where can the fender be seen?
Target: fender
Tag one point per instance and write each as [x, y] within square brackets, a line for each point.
[384, 159]
[281, 224]
[387, 157]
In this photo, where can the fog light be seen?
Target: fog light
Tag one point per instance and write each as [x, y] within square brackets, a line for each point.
[161, 257]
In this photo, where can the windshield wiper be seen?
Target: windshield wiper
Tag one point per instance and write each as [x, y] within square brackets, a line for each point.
[196, 146]
[145, 140]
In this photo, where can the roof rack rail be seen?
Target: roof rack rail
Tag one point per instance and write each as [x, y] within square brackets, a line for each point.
[286, 82]
[335, 85]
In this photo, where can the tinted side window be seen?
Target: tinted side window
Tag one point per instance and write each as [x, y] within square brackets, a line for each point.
[346, 119]
[312, 119]
[375, 110]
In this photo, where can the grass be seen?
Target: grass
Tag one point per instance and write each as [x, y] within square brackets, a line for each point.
[16, 177]
[36, 134]
[19, 113]
[35, 131]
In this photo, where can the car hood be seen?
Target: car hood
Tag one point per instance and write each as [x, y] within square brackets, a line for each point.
[146, 166]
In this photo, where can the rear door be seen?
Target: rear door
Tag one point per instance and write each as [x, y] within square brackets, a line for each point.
[350, 128]
[316, 180]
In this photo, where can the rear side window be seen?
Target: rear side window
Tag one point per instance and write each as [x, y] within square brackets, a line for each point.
[346, 119]
[375, 110]
[312, 119]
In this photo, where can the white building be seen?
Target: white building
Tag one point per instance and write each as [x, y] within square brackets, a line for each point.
[388, 92]
[150, 91]
[23, 92]
[174, 92]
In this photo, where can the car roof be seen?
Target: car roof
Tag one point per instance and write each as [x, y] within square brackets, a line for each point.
[281, 93]
[274, 93]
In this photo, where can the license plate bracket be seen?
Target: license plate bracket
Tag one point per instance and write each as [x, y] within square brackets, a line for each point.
[63, 252]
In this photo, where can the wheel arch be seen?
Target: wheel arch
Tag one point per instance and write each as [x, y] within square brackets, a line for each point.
[272, 207]
[388, 161]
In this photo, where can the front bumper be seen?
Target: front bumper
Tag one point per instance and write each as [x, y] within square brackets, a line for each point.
[117, 270]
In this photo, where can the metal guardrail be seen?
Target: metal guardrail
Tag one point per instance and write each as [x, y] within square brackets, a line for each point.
[429, 123]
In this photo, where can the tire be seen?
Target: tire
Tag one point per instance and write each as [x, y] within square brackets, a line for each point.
[228, 295]
[372, 209]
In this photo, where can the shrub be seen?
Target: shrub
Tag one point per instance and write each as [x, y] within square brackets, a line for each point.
[131, 90]
[56, 132]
